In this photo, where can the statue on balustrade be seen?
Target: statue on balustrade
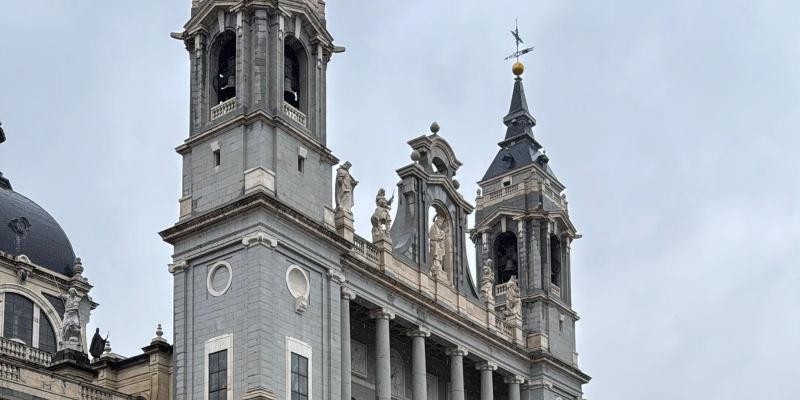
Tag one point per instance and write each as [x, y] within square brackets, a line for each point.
[487, 281]
[437, 234]
[344, 188]
[71, 330]
[381, 219]
[513, 301]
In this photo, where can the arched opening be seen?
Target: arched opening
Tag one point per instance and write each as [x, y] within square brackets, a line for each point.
[18, 323]
[555, 260]
[439, 167]
[294, 74]
[440, 241]
[47, 335]
[505, 256]
[223, 68]
[18, 318]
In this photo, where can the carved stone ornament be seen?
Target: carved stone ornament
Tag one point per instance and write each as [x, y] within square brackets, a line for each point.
[345, 184]
[381, 218]
[299, 286]
[259, 238]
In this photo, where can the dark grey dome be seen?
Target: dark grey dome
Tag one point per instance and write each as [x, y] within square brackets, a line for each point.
[26, 228]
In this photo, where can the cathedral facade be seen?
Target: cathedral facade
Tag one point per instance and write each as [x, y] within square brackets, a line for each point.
[275, 295]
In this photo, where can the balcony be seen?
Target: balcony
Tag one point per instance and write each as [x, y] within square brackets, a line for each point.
[223, 108]
[294, 114]
[20, 351]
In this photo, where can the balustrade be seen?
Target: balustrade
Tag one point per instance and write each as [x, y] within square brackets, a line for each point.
[223, 108]
[294, 113]
[23, 352]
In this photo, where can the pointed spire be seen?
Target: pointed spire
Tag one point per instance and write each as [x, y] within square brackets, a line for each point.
[519, 119]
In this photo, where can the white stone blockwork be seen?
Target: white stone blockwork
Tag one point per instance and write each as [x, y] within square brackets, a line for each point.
[259, 178]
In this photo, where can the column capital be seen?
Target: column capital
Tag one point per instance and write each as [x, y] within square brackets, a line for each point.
[514, 379]
[485, 365]
[381, 313]
[336, 276]
[419, 331]
[177, 266]
[457, 351]
[348, 294]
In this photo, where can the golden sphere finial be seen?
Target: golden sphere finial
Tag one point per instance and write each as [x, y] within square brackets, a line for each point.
[518, 68]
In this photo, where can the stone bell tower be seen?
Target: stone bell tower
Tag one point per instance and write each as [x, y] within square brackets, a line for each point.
[257, 103]
[256, 272]
[522, 224]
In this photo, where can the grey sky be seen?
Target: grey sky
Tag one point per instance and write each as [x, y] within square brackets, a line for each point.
[673, 124]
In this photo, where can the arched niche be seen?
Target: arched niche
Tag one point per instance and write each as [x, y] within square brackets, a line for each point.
[555, 260]
[440, 239]
[295, 73]
[505, 257]
[222, 68]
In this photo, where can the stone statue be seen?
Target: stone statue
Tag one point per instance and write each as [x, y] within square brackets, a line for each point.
[98, 345]
[381, 220]
[344, 188]
[513, 303]
[437, 236]
[487, 281]
[71, 330]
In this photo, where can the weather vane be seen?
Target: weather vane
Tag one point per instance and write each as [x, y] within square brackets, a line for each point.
[518, 41]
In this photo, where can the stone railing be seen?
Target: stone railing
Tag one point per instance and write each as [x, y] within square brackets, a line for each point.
[9, 372]
[505, 327]
[498, 195]
[501, 289]
[223, 108]
[23, 352]
[95, 393]
[294, 113]
[365, 248]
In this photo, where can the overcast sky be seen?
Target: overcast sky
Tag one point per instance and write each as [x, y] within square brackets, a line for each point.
[673, 124]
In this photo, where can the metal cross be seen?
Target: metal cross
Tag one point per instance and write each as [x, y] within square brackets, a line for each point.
[518, 40]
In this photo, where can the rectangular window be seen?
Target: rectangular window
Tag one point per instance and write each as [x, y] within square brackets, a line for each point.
[299, 377]
[298, 370]
[217, 158]
[301, 164]
[218, 375]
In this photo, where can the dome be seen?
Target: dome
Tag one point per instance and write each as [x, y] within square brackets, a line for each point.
[26, 228]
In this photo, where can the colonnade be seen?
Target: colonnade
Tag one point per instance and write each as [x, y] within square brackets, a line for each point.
[419, 336]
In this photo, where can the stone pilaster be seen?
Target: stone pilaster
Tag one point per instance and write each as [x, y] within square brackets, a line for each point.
[347, 296]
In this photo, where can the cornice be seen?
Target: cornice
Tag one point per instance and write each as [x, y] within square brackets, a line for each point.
[249, 118]
[246, 203]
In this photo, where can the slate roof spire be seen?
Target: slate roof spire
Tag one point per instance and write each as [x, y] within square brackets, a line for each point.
[519, 119]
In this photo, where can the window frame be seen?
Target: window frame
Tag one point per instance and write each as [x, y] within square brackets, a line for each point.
[300, 348]
[215, 345]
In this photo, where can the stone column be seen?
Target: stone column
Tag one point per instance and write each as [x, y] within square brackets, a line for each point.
[487, 387]
[457, 372]
[513, 382]
[525, 390]
[383, 367]
[347, 296]
[419, 384]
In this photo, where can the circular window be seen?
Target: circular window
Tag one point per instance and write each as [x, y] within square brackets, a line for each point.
[219, 279]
